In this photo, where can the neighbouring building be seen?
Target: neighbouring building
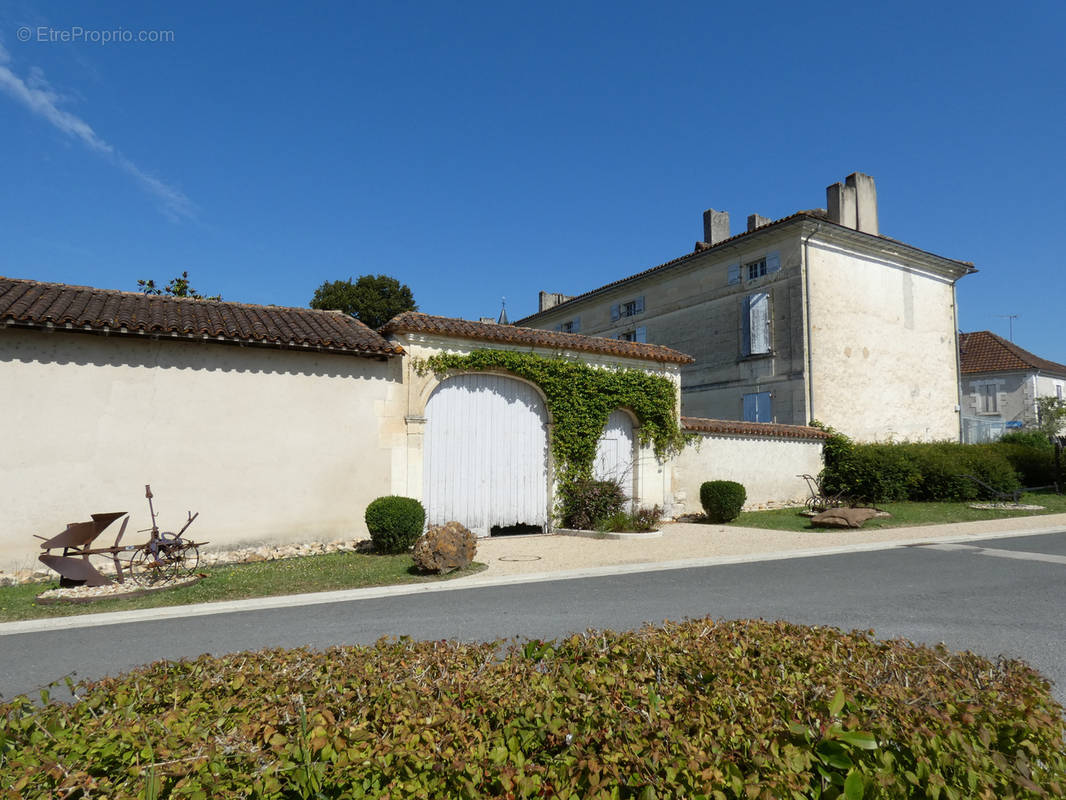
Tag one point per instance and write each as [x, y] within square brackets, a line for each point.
[1001, 383]
[813, 316]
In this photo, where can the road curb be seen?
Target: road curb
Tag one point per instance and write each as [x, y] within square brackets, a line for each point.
[477, 582]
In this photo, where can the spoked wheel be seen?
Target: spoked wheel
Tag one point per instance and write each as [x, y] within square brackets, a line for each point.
[147, 570]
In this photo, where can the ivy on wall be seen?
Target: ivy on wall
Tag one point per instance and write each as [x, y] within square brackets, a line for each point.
[580, 398]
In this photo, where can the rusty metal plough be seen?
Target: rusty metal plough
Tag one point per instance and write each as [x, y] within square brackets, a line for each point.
[165, 556]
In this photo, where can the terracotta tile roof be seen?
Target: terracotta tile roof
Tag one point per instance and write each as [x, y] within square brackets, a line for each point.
[34, 304]
[983, 351]
[817, 215]
[737, 428]
[414, 322]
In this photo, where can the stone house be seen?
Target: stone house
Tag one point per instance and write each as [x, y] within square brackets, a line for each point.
[813, 316]
[1000, 384]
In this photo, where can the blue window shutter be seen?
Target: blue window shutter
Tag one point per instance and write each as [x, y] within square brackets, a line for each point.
[559, 327]
[640, 304]
[763, 412]
[773, 262]
[642, 334]
[745, 327]
[615, 312]
[750, 408]
[577, 325]
[734, 273]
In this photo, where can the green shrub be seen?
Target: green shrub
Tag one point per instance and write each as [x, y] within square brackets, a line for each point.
[1036, 439]
[703, 708]
[585, 503]
[642, 520]
[1035, 465]
[722, 500]
[935, 471]
[395, 523]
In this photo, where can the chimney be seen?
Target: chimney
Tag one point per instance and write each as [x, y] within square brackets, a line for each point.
[715, 226]
[865, 202]
[757, 221]
[853, 203]
[552, 299]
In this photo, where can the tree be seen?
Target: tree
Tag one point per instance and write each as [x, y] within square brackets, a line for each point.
[373, 299]
[178, 287]
[1050, 415]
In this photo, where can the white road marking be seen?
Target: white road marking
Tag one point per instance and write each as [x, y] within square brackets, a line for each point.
[1020, 555]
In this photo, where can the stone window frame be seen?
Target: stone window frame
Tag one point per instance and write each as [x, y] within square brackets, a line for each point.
[981, 395]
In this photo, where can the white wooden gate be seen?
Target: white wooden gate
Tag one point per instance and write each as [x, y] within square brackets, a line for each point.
[485, 460]
[614, 452]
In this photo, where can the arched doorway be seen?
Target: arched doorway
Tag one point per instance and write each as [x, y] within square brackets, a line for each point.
[485, 462]
[614, 452]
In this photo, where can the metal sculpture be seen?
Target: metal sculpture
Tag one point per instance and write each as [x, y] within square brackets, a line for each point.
[164, 556]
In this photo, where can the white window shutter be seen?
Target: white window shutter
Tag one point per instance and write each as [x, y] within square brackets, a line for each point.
[640, 304]
[759, 322]
[616, 312]
[773, 262]
[734, 273]
[642, 334]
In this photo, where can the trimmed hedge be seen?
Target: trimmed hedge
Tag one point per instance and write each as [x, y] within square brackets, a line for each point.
[722, 500]
[700, 709]
[395, 523]
[926, 471]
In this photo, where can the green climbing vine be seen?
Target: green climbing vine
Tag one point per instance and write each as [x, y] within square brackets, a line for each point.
[580, 398]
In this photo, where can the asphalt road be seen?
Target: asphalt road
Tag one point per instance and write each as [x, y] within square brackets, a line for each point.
[999, 596]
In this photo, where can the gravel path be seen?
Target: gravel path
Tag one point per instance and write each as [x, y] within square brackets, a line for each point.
[518, 555]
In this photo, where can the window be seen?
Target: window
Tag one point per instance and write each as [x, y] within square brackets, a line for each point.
[989, 399]
[1058, 390]
[757, 407]
[755, 324]
[637, 335]
[570, 326]
[628, 309]
[753, 270]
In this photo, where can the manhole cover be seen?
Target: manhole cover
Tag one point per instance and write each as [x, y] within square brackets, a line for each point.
[519, 558]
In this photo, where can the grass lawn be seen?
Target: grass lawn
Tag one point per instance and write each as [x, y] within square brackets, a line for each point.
[236, 581]
[789, 519]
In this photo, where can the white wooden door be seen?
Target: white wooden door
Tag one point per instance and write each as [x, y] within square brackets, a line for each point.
[485, 457]
[614, 452]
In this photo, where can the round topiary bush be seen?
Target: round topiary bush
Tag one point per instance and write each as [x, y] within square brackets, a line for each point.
[722, 500]
[394, 523]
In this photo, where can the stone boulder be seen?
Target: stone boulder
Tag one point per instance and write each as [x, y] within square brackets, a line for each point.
[444, 548]
[845, 517]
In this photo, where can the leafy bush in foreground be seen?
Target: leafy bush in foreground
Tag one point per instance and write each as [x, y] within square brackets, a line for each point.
[395, 523]
[698, 709]
[722, 500]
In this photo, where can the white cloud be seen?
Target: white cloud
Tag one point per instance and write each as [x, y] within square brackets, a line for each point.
[35, 93]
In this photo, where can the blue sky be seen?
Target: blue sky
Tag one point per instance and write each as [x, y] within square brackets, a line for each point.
[481, 150]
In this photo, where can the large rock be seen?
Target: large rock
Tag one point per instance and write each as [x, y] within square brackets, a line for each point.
[444, 548]
[845, 517]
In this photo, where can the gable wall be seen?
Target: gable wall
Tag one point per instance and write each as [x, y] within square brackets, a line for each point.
[883, 347]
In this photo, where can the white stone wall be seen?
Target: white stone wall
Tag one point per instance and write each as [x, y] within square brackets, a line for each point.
[268, 445]
[767, 468]
[882, 347]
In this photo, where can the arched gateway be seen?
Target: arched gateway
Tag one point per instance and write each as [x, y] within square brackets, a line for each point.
[485, 462]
